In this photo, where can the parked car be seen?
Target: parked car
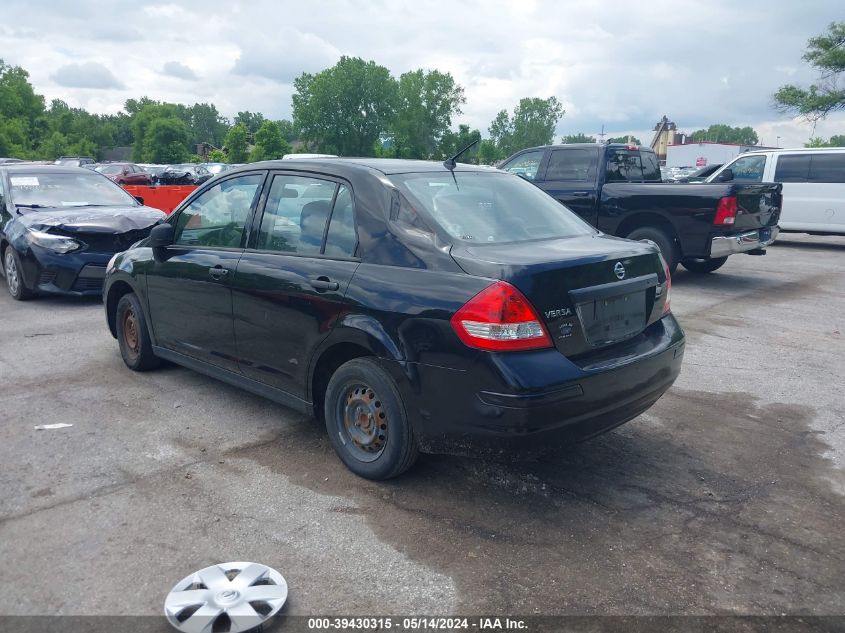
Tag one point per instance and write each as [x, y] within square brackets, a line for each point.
[183, 174]
[59, 226]
[813, 181]
[702, 174]
[618, 189]
[406, 304]
[125, 174]
[74, 161]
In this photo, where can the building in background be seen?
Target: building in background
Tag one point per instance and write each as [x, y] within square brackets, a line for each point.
[699, 154]
[665, 134]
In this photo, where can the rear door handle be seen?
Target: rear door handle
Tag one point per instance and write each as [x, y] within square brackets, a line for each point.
[218, 272]
[324, 283]
[580, 193]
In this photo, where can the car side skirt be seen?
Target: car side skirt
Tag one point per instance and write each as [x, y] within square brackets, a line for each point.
[258, 388]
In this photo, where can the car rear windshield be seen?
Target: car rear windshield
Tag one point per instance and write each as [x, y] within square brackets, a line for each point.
[479, 208]
[85, 188]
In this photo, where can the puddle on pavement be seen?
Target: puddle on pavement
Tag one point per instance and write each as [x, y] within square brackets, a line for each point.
[719, 504]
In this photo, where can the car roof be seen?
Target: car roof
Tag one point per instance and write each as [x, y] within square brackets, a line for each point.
[799, 150]
[386, 166]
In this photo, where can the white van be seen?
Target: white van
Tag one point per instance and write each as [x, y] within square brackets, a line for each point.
[813, 184]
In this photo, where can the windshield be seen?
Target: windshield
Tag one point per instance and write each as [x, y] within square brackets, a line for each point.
[86, 188]
[492, 208]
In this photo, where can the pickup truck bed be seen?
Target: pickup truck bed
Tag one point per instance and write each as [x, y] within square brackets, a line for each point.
[617, 189]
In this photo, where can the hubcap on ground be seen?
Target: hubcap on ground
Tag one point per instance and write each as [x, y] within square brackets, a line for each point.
[232, 597]
[12, 276]
[364, 421]
[130, 332]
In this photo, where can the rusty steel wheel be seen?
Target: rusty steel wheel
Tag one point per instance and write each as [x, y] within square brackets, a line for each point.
[133, 338]
[130, 334]
[364, 420]
[367, 421]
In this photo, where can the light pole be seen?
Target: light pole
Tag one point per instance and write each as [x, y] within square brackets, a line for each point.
[777, 142]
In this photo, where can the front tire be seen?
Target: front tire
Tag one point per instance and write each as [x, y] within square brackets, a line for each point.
[133, 336]
[14, 276]
[665, 242]
[367, 422]
[704, 266]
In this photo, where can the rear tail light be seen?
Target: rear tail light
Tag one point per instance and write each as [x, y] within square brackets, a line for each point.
[725, 212]
[667, 293]
[500, 319]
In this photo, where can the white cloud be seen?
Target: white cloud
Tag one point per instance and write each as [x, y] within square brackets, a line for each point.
[621, 65]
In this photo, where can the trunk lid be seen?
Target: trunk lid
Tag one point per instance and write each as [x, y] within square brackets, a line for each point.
[590, 291]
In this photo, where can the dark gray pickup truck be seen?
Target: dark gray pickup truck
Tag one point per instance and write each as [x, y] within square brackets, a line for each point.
[617, 188]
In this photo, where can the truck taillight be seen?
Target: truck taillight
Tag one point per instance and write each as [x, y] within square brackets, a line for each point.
[668, 291]
[500, 319]
[725, 212]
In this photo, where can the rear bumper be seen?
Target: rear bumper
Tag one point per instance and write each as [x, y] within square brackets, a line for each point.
[724, 245]
[522, 402]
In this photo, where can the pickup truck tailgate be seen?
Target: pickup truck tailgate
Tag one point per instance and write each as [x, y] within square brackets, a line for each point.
[758, 205]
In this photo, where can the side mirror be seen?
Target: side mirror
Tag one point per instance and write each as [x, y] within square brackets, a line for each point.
[140, 199]
[726, 175]
[161, 236]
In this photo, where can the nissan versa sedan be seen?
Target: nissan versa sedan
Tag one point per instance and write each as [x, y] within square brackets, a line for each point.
[413, 306]
[59, 227]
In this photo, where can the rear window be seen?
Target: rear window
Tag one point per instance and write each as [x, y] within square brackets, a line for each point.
[572, 164]
[651, 168]
[624, 166]
[494, 208]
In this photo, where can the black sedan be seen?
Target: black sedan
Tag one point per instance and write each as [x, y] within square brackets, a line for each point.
[59, 227]
[412, 306]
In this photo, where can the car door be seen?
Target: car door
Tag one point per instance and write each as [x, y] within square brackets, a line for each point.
[570, 178]
[289, 287]
[800, 207]
[189, 283]
[827, 179]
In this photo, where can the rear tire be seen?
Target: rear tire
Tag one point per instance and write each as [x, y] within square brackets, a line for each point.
[704, 266]
[133, 336]
[14, 277]
[367, 422]
[666, 243]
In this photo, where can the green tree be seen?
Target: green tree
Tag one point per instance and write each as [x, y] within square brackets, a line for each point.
[489, 153]
[53, 146]
[346, 108]
[165, 141]
[251, 120]
[577, 138]
[425, 104]
[217, 156]
[533, 123]
[834, 141]
[269, 143]
[237, 143]
[21, 110]
[825, 53]
[454, 142]
[625, 139]
[207, 125]
[721, 133]
[288, 129]
[142, 119]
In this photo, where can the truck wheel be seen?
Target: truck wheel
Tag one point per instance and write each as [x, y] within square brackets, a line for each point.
[664, 242]
[367, 422]
[704, 265]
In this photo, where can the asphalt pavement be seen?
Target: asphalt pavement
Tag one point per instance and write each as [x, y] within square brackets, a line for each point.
[727, 497]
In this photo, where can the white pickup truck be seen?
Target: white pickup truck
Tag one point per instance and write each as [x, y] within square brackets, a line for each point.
[813, 185]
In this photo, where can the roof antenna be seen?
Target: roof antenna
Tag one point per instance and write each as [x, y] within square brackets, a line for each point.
[450, 163]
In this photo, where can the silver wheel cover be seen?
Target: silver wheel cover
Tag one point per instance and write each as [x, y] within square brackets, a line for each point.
[248, 594]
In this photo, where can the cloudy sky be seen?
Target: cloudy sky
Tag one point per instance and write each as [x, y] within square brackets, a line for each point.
[613, 63]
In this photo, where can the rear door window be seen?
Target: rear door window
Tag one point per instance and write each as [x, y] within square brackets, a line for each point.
[793, 168]
[624, 165]
[572, 164]
[827, 167]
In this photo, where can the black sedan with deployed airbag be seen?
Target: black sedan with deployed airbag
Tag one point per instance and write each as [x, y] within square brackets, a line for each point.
[60, 226]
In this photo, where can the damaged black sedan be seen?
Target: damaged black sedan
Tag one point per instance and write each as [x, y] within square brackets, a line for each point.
[60, 226]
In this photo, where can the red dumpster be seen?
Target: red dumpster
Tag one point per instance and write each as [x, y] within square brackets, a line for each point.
[164, 197]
